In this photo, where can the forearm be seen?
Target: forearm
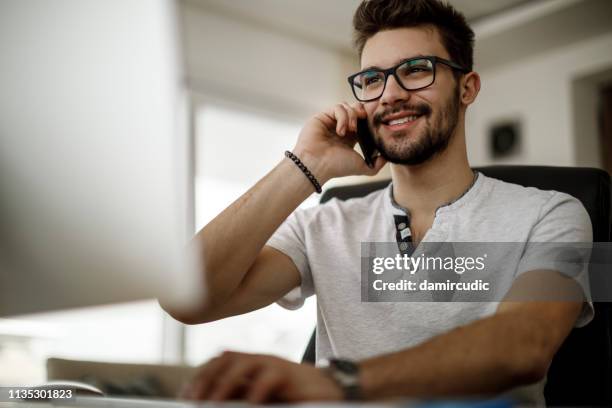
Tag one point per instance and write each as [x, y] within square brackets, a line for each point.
[229, 244]
[236, 273]
[485, 357]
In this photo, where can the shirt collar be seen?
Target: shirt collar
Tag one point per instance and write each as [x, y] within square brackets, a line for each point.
[393, 208]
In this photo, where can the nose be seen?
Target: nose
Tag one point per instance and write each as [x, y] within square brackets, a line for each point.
[393, 92]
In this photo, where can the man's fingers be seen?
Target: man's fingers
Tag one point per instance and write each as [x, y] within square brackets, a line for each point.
[359, 109]
[358, 106]
[206, 376]
[234, 378]
[353, 116]
[327, 119]
[342, 119]
[200, 384]
[263, 386]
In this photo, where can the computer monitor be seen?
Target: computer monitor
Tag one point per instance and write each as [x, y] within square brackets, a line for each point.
[94, 170]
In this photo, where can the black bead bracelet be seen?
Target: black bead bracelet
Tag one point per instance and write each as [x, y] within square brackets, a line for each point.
[305, 170]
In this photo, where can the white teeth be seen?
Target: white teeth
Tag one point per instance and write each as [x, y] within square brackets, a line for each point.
[402, 120]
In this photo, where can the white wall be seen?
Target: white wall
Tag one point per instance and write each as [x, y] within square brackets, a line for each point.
[256, 65]
[538, 91]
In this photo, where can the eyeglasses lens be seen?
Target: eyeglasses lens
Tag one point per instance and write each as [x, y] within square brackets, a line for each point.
[413, 74]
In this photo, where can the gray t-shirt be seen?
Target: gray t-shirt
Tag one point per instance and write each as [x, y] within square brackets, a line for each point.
[324, 242]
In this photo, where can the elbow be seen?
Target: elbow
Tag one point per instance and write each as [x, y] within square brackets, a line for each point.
[530, 373]
[188, 319]
[188, 316]
[529, 367]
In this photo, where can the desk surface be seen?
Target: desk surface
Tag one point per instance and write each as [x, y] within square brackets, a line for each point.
[109, 402]
[106, 402]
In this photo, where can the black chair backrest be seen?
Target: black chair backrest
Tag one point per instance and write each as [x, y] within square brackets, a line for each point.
[581, 372]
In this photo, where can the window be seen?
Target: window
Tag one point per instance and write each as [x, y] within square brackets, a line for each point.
[130, 333]
[234, 149]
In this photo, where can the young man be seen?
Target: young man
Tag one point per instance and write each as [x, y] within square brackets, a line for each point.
[414, 88]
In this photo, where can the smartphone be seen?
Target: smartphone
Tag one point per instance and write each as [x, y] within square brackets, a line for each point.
[366, 142]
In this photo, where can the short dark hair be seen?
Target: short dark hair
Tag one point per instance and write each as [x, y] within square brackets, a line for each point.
[373, 16]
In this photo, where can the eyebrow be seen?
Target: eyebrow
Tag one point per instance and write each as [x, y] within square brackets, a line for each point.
[394, 64]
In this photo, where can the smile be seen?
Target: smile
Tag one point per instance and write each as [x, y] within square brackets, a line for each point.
[398, 122]
[403, 120]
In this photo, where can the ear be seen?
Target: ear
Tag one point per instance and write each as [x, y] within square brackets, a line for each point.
[470, 86]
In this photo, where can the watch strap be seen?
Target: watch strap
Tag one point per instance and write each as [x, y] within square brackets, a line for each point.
[346, 374]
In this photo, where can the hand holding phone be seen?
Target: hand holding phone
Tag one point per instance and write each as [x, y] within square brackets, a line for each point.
[326, 144]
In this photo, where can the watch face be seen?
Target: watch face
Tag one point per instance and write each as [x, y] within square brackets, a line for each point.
[346, 373]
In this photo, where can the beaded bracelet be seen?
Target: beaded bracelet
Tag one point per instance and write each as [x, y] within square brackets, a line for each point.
[305, 170]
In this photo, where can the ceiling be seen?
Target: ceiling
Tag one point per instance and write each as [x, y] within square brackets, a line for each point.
[326, 21]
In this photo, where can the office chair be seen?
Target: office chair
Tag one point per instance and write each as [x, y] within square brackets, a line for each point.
[581, 371]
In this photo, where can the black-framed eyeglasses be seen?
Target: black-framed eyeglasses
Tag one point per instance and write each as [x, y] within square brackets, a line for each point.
[412, 74]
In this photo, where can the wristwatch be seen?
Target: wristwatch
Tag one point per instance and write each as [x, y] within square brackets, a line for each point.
[346, 374]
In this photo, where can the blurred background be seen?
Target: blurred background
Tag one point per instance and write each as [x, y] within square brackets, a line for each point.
[252, 72]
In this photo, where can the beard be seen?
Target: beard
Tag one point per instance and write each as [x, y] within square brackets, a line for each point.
[432, 140]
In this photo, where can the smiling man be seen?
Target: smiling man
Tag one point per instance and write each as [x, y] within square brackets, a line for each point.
[414, 87]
